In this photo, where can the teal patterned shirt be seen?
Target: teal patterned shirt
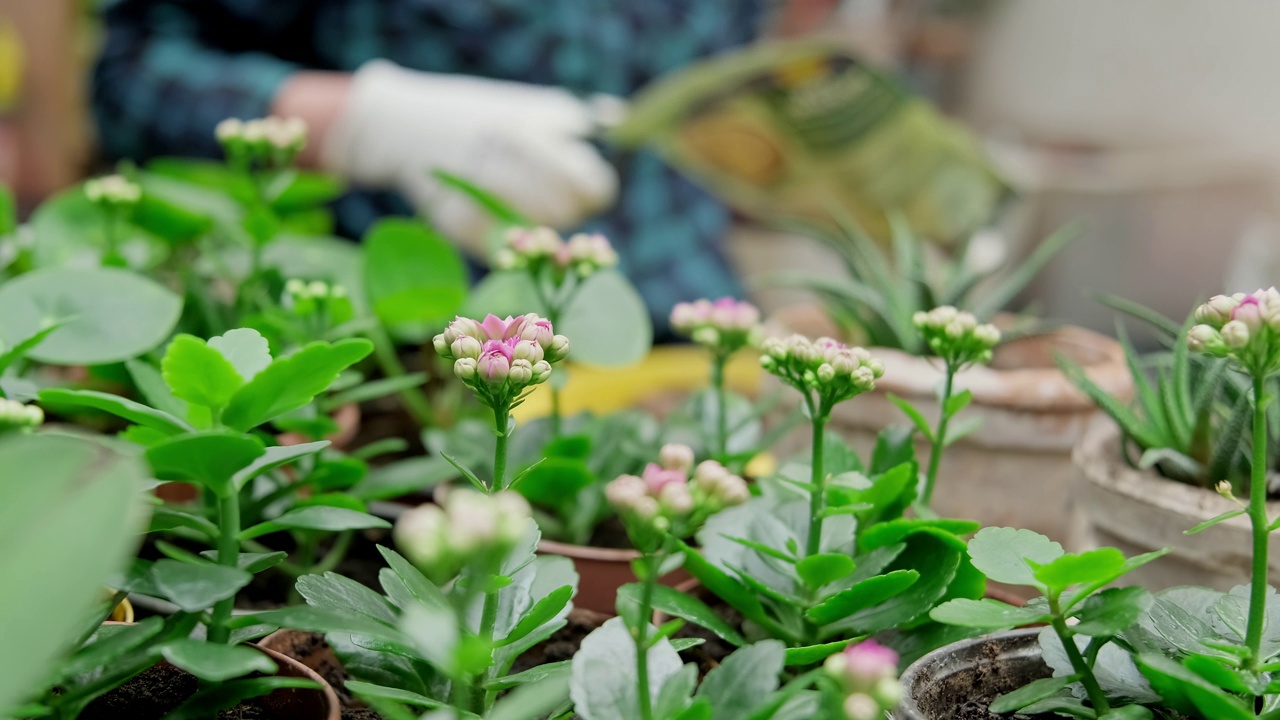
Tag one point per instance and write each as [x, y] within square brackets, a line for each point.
[171, 69]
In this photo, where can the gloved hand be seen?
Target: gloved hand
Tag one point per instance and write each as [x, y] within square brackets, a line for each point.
[524, 143]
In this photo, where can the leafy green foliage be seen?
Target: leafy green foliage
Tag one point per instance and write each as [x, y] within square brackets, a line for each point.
[415, 278]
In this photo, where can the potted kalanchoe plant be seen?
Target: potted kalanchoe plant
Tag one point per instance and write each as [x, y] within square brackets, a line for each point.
[1184, 652]
[1027, 416]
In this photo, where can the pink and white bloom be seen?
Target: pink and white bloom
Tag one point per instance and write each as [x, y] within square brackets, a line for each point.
[723, 326]
[489, 350]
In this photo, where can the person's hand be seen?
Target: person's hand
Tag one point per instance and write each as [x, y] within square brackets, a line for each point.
[524, 143]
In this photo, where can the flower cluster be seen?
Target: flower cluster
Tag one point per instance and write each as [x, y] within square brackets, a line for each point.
[318, 298]
[1242, 327]
[664, 498]
[113, 190]
[535, 248]
[16, 416]
[837, 372]
[500, 357]
[723, 326]
[867, 673]
[956, 336]
[470, 528]
[272, 138]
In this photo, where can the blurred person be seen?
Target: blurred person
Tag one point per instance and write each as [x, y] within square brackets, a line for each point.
[505, 93]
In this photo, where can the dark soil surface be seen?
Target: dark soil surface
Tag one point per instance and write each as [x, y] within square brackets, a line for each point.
[159, 690]
[967, 694]
[564, 643]
[311, 650]
[713, 650]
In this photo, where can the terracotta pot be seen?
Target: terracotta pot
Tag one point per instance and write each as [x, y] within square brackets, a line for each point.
[295, 703]
[940, 684]
[1016, 469]
[601, 571]
[1139, 511]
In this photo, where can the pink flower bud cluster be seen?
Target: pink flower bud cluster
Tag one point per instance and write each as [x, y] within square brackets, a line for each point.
[535, 248]
[502, 356]
[723, 326]
[836, 371]
[868, 674]
[271, 137]
[1243, 327]
[666, 499]
[115, 190]
[956, 336]
[471, 526]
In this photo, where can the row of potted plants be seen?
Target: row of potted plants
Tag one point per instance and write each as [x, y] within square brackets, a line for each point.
[791, 583]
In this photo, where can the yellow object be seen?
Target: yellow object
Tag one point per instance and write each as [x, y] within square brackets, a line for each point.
[11, 63]
[666, 369]
[122, 612]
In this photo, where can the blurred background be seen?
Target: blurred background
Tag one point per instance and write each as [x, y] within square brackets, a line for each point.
[1152, 121]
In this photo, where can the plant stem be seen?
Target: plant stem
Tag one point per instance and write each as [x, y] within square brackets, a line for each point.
[488, 618]
[818, 481]
[1091, 687]
[228, 556]
[722, 414]
[641, 635]
[555, 410]
[1258, 519]
[501, 423]
[336, 553]
[939, 438]
[415, 401]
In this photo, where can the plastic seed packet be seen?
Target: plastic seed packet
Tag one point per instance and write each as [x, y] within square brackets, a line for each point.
[805, 131]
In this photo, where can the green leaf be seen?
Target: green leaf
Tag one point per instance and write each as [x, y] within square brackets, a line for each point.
[863, 595]
[245, 349]
[108, 644]
[555, 482]
[252, 563]
[414, 581]
[533, 702]
[274, 457]
[320, 620]
[607, 322]
[167, 220]
[1128, 712]
[1032, 692]
[196, 588]
[1185, 691]
[210, 458]
[1013, 283]
[1110, 612]
[62, 399]
[744, 680]
[724, 586]
[958, 402]
[1002, 554]
[107, 315]
[603, 680]
[198, 373]
[316, 517]
[492, 204]
[810, 654]
[1076, 569]
[304, 190]
[8, 212]
[819, 570]
[215, 662]
[219, 696]
[543, 611]
[686, 607]
[916, 417]
[986, 613]
[534, 674]
[1214, 521]
[291, 382]
[415, 277]
[366, 690]
[151, 384]
[20, 349]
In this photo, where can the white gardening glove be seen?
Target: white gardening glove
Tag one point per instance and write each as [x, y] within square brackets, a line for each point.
[524, 143]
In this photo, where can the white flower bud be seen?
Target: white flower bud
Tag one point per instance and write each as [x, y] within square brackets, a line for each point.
[774, 348]
[623, 492]
[860, 706]
[521, 372]
[1202, 337]
[1235, 334]
[826, 373]
[558, 349]
[228, 130]
[676, 498]
[466, 347]
[707, 336]
[421, 534]
[987, 334]
[864, 378]
[526, 350]
[541, 372]
[674, 456]
[465, 368]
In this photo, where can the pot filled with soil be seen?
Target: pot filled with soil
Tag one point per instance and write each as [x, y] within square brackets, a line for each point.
[959, 681]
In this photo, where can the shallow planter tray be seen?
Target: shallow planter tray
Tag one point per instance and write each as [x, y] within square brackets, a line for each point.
[961, 679]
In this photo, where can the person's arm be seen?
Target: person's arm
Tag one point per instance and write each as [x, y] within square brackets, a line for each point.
[318, 98]
[159, 89]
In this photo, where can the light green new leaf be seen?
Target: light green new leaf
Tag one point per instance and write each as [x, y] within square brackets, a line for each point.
[1075, 569]
[210, 458]
[415, 277]
[245, 349]
[198, 373]
[1002, 554]
[316, 517]
[986, 613]
[291, 382]
[195, 588]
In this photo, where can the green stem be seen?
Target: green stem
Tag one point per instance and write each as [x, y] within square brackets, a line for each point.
[228, 556]
[501, 423]
[111, 256]
[722, 404]
[642, 631]
[415, 401]
[1259, 521]
[555, 410]
[336, 553]
[939, 439]
[1091, 686]
[488, 618]
[818, 481]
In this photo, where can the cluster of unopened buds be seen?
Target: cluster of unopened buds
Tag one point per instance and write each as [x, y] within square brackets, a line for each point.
[17, 416]
[666, 498]
[308, 298]
[1243, 327]
[502, 354]
[867, 674]
[539, 247]
[836, 371]
[113, 190]
[470, 528]
[723, 326]
[270, 138]
[956, 336]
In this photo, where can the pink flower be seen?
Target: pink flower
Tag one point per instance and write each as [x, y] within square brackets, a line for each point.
[495, 361]
[656, 477]
[1249, 312]
[497, 328]
[868, 661]
[536, 329]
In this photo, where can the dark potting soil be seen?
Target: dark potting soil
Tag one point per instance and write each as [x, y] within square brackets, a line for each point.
[564, 643]
[610, 534]
[157, 691]
[312, 650]
[967, 693]
[713, 650]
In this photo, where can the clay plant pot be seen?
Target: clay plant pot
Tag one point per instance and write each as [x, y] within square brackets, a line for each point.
[601, 571]
[294, 703]
[1139, 511]
[1015, 470]
[961, 679]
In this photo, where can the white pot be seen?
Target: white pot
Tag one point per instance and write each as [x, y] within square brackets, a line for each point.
[1139, 511]
[1016, 469]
